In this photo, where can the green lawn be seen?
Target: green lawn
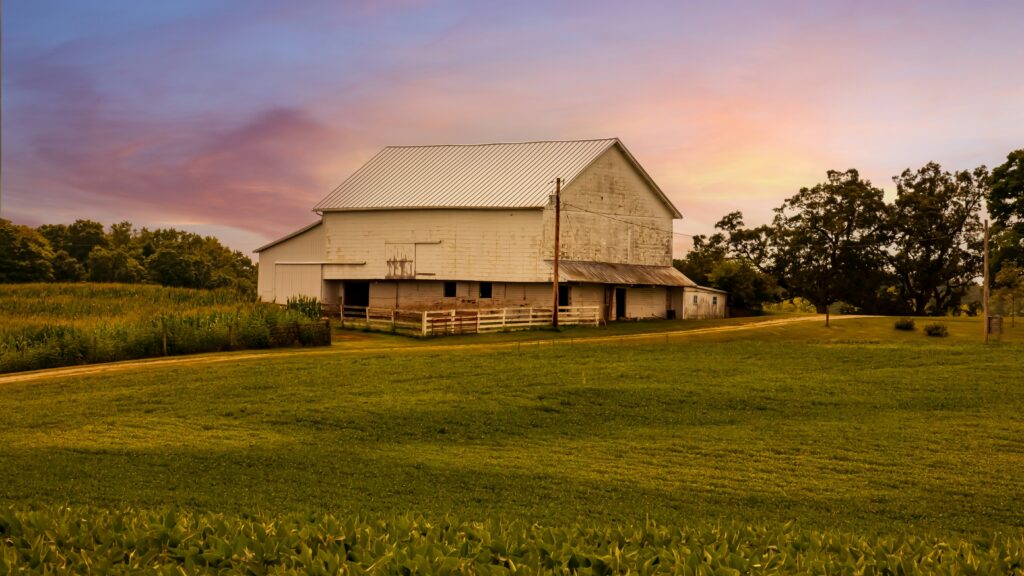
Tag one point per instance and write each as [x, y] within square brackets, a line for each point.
[856, 426]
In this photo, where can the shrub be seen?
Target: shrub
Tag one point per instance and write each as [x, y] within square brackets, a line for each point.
[305, 305]
[937, 330]
[905, 324]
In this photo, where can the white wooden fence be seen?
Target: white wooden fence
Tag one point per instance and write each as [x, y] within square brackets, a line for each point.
[466, 321]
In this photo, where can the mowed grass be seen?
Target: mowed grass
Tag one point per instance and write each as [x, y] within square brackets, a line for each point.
[857, 426]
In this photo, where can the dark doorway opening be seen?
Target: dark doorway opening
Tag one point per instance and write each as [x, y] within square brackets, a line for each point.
[620, 303]
[563, 295]
[357, 293]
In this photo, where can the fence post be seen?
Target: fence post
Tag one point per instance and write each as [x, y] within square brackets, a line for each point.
[477, 321]
[504, 317]
[367, 316]
[393, 327]
[423, 323]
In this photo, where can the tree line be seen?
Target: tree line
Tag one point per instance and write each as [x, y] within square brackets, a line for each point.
[87, 251]
[841, 242]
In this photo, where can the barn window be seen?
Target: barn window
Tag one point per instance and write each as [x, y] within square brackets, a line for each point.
[485, 289]
[694, 299]
[714, 300]
[449, 289]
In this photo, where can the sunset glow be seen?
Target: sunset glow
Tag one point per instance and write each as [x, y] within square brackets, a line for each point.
[234, 118]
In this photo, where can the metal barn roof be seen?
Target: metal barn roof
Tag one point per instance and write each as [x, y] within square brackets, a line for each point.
[633, 274]
[507, 175]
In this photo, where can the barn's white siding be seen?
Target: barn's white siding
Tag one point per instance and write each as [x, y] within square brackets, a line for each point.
[494, 245]
[292, 280]
[610, 214]
[306, 247]
[644, 303]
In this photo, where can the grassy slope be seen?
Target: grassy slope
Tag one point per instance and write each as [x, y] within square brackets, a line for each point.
[856, 425]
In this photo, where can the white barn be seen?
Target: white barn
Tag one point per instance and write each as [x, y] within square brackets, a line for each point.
[472, 226]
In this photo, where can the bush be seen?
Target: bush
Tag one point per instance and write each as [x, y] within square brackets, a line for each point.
[937, 330]
[305, 305]
[905, 324]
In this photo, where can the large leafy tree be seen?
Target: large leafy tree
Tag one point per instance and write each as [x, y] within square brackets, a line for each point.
[748, 287]
[829, 240]
[722, 261]
[1009, 287]
[25, 254]
[706, 253]
[1006, 207]
[77, 239]
[936, 232]
[1006, 190]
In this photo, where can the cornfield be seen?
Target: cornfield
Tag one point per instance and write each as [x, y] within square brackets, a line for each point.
[51, 325]
[84, 541]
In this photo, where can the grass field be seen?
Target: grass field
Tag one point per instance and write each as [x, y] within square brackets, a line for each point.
[856, 428]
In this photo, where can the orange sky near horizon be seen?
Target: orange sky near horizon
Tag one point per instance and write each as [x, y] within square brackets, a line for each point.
[234, 121]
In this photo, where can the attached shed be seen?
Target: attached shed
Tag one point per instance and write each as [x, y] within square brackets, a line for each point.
[293, 265]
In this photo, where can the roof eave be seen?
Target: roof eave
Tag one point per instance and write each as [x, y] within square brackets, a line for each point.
[287, 237]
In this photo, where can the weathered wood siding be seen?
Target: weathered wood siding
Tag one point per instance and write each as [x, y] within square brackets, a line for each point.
[291, 280]
[643, 303]
[699, 303]
[494, 245]
[611, 214]
[306, 247]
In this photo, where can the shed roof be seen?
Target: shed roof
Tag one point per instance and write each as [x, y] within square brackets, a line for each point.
[305, 228]
[629, 274]
[505, 175]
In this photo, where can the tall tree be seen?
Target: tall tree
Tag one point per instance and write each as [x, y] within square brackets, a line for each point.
[706, 253]
[748, 287]
[830, 238]
[936, 231]
[1009, 287]
[25, 254]
[1006, 207]
[1006, 190]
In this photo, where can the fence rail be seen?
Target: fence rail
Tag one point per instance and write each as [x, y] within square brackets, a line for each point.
[466, 321]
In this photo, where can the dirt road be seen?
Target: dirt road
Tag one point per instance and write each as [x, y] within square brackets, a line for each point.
[201, 359]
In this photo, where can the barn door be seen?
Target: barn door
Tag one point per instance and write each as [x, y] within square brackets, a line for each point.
[620, 303]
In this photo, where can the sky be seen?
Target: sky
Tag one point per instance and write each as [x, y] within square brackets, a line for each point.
[233, 118]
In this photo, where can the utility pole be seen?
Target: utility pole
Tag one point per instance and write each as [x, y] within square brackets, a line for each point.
[558, 223]
[984, 289]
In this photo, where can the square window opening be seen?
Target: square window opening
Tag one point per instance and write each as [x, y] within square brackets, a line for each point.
[449, 289]
[485, 289]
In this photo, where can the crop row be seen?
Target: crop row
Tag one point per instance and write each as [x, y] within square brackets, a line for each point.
[47, 326]
[89, 541]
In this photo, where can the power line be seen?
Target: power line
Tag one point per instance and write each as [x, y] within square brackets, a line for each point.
[581, 209]
[638, 225]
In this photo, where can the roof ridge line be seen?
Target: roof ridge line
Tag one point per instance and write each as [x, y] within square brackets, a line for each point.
[500, 143]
